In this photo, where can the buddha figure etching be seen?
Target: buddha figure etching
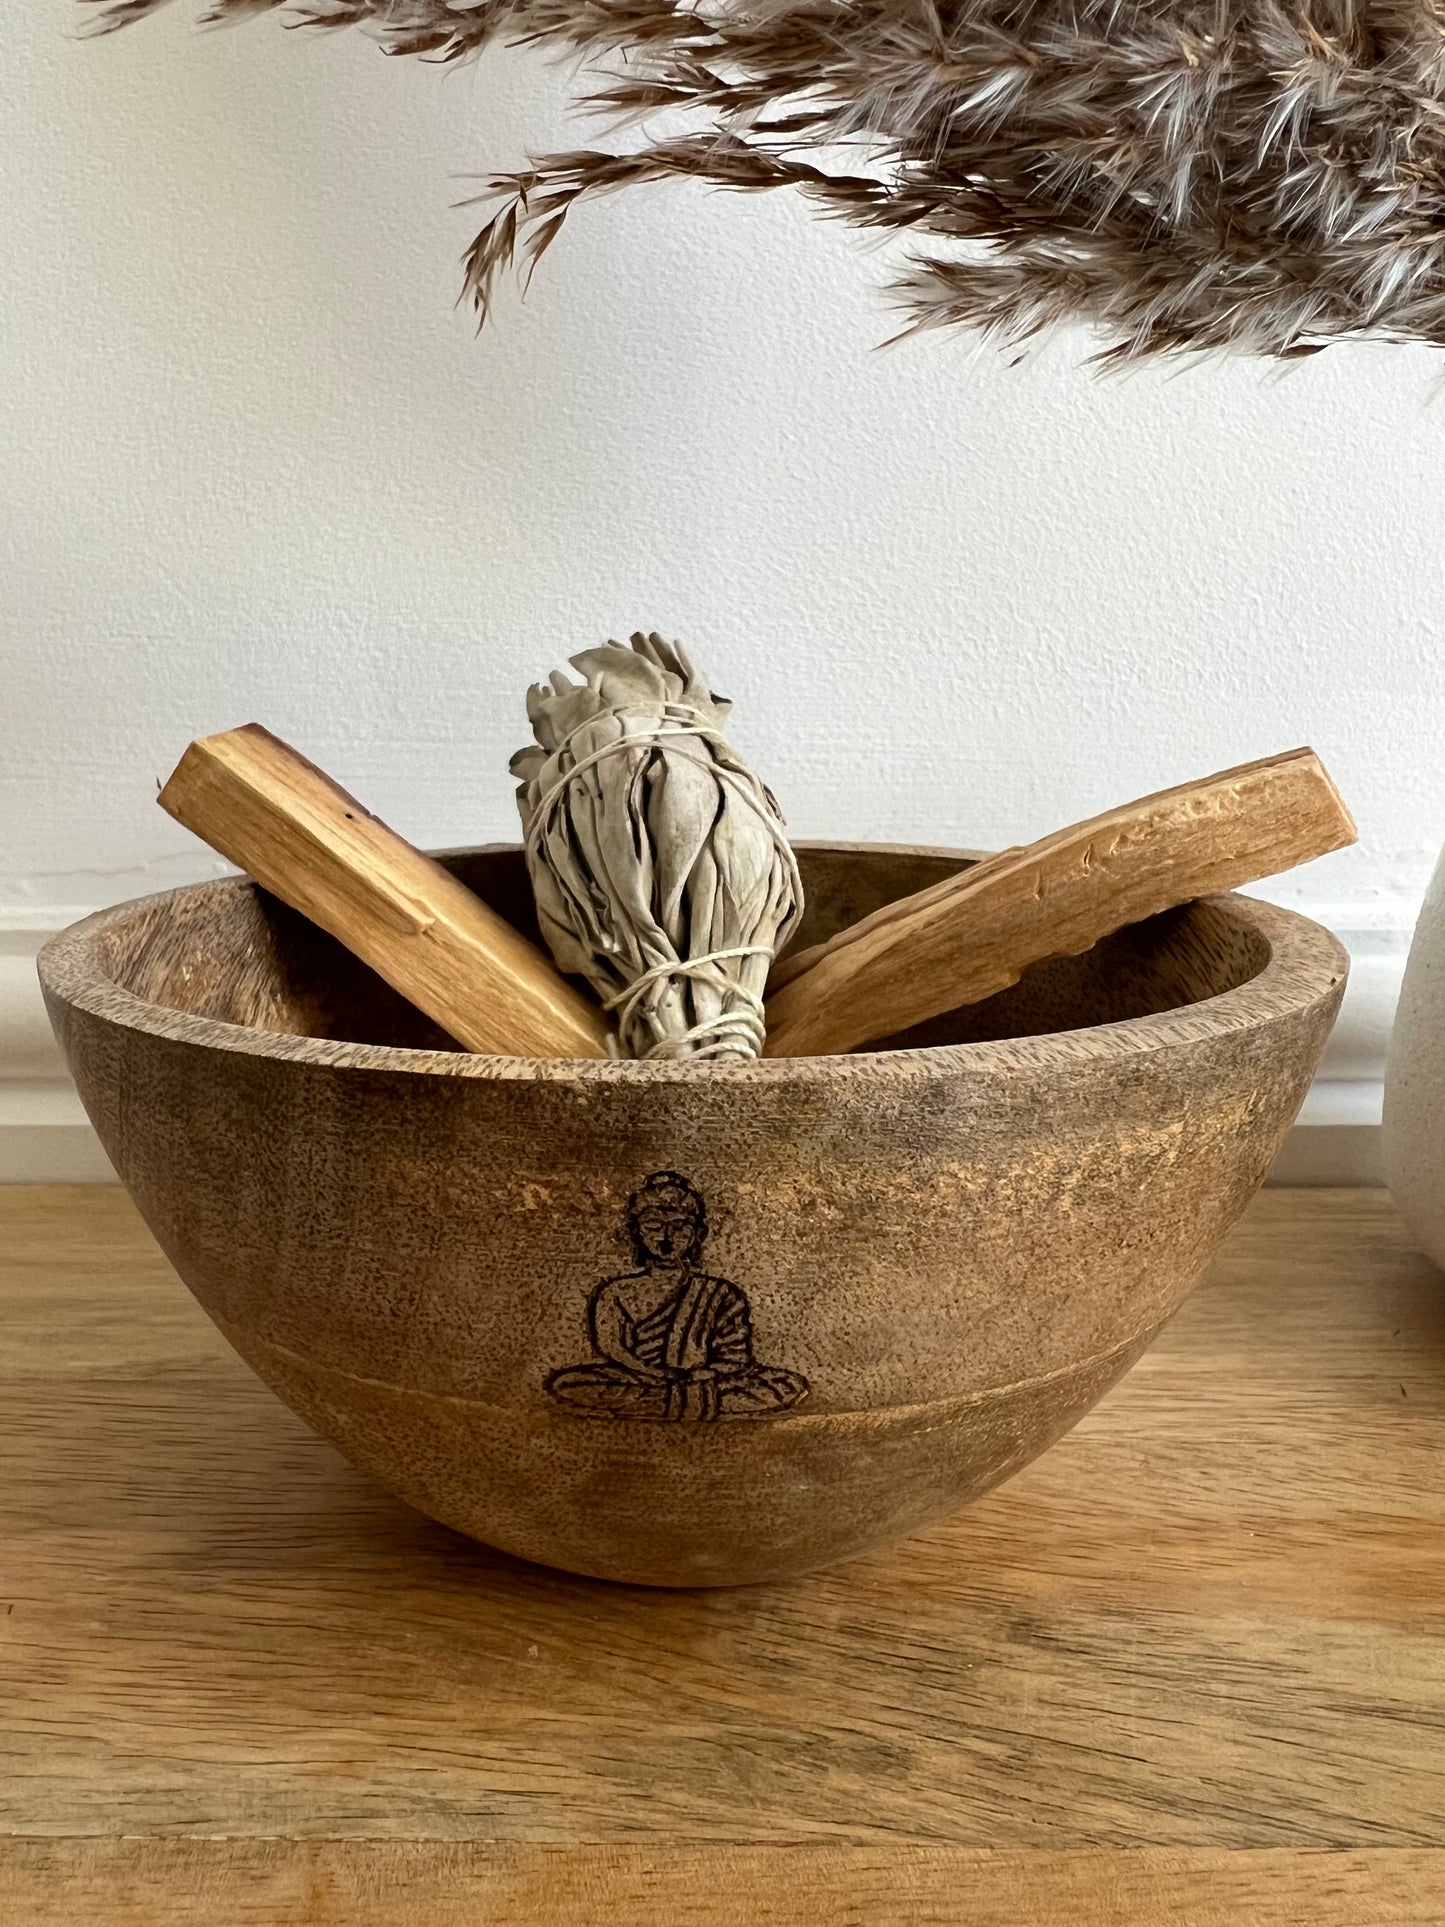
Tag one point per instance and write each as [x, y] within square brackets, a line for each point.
[671, 1341]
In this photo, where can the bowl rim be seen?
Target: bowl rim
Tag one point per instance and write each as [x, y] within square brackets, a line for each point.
[1306, 966]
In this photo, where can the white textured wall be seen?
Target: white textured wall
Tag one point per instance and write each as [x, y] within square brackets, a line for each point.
[254, 464]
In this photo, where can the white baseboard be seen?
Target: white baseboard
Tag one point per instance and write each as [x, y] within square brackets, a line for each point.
[45, 1136]
[46, 1139]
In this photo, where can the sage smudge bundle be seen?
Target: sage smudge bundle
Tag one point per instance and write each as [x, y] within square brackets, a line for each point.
[659, 863]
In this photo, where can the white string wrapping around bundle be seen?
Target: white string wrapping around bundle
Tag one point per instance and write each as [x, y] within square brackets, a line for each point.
[715, 1038]
[629, 869]
[541, 810]
[719, 1036]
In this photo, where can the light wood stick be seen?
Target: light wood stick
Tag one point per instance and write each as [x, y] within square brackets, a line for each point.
[978, 932]
[266, 808]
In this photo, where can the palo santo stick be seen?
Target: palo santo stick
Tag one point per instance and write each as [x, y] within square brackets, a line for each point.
[978, 932]
[262, 805]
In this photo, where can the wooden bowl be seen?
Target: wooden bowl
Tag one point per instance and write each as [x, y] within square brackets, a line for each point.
[674, 1324]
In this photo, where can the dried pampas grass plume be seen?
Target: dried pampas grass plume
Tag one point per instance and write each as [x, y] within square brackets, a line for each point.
[1257, 175]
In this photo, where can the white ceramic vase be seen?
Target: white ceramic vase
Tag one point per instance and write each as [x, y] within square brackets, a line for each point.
[1415, 1080]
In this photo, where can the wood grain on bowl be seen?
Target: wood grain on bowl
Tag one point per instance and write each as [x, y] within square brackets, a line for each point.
[674, 1323]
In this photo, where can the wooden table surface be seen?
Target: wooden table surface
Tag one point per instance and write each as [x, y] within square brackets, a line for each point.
[1187, 1668]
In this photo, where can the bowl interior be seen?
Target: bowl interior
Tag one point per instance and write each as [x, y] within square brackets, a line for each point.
[234, 952]
[230, 951]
